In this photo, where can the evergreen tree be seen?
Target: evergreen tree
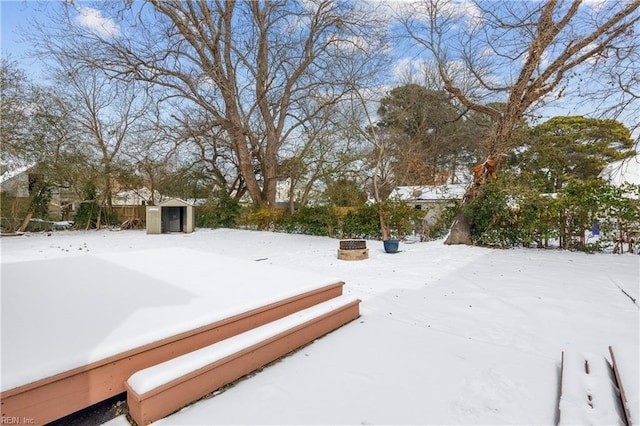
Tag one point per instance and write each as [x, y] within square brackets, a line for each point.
[429, 137]
[565, 149]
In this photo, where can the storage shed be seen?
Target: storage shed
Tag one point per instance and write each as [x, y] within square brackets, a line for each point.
[173, 215]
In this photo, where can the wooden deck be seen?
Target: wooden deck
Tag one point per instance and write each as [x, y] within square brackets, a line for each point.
[51, 398]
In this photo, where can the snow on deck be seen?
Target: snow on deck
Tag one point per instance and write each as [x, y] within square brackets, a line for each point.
[110, 303]
[153, 377]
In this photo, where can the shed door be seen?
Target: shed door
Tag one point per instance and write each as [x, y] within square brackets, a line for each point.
[175, 219]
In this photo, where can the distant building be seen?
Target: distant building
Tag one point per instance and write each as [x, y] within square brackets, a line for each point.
[137, 197]
[431, 199]
[15, 183]
[623, 171]
[19, 183]
[172, 215]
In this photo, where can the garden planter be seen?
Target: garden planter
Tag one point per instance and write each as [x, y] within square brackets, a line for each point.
[391, 246]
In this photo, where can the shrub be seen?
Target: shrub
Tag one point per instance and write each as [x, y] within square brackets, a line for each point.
[321, 220]
[362, 222]
[506, 214]
[90, 210]
[219, 211]
[492, 217]
[444, 221]
[14, 210]
[262, 218]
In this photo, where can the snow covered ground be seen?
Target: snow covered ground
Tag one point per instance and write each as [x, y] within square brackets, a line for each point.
[448, 334]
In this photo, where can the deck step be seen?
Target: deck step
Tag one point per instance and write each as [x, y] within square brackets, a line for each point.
[588, 393]
[158, 391]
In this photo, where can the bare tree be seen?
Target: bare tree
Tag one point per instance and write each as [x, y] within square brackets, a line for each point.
[250, 65]
[105, 114]
[519, 53]
[17, 94]
[383, 180]
[325, 151]
[614, 84]
[207, 146]
[35, 133]
[152, 151]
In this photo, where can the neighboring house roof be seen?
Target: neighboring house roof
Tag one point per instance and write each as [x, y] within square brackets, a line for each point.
[623, 171]
[15, 181]
[15, 171]
[196, 201]
[135, 197]
[429, 192]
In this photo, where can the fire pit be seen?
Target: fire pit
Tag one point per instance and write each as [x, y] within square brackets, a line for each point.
[353, 250]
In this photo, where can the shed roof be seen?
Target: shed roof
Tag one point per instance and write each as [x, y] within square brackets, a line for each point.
[175, 202]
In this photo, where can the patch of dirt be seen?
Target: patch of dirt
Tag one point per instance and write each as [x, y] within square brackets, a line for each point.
[96, 414]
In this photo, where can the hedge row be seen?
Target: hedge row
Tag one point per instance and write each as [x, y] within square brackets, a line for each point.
[335, 222]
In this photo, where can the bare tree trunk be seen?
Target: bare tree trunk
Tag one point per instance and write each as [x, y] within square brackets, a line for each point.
[26, 220]
[460, 232]
[99, 218]
[292, 196]
[384, 223]
[88, 225]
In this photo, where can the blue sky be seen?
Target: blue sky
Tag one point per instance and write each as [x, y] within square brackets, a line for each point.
[14, 18]
[13, 14]
[16, 15]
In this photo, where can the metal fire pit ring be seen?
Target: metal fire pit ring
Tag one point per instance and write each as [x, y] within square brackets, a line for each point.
[353, 244]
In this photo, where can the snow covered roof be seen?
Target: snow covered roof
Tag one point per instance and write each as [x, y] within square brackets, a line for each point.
[429, 192]
[623, 171]
[195, 201]
[175, 201]
[12, 172]
[135, 197]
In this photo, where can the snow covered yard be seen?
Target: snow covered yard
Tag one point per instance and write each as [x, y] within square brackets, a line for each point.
[448, 334]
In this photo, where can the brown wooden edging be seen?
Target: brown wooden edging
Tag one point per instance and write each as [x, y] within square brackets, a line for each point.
[581, 396]
[623, 396]
[54, 397]
[164, 400]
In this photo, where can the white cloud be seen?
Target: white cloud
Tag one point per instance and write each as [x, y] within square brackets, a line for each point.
[93, 20]
[388, 8]
[407, 69]
[351, 43]
[463, 8]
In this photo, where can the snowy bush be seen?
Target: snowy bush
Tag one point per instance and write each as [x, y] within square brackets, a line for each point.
[508, 214]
